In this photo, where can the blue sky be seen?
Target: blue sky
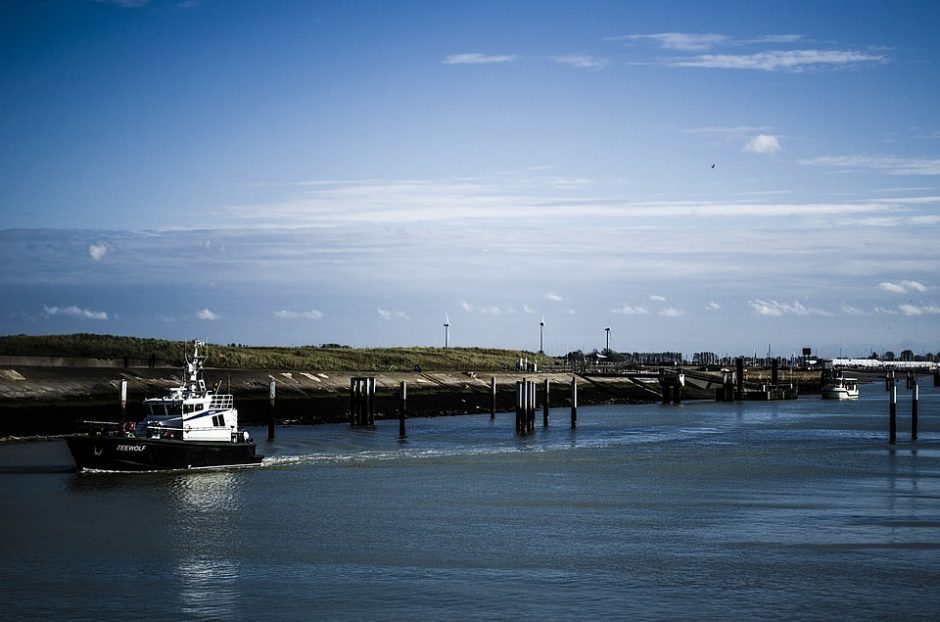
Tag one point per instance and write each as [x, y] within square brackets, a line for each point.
[721, 176]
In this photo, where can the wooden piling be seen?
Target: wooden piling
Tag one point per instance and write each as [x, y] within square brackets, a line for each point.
[677, 394]
[574, 402]
[915, 394]
[492, 397]
[272, 391]
[361, 402]
[525, 406]
[545, 405]
[402, 411]
[532, 403]
[889, 379]
[893, 417]
[123, 401]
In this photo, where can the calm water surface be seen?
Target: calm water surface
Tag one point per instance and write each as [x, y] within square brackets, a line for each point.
[761, 511]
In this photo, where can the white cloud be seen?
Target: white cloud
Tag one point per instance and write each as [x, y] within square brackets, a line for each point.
[582, 61]
[776, 309]
[894, 288]
[889, 165]
[683, 41]
[926, 309]
[671, 312]
[74, 312]
[850, 310]
[656, 298]
[884, 311]
[484, 309]
[781, 60]
[902, 287]
[312, 314]
[388, 314]
[206, 314]
[475, 58]
[631, 310]
[763, 144]
[528, 309]
[97, 251]
[712, 306]
[554, 296]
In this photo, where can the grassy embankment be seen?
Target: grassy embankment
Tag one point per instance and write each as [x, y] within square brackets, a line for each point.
[338, 358]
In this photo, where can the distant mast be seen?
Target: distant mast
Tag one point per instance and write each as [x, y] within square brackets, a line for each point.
[446, 331]
[542, 336]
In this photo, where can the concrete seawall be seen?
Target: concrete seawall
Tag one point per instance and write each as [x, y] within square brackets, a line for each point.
[54, 400]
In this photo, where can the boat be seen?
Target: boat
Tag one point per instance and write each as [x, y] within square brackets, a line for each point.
[189, 427]
[838, 387]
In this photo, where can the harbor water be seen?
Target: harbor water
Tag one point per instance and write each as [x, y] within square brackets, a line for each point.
[702, 511]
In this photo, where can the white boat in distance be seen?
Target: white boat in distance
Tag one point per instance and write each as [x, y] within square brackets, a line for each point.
[839, 388]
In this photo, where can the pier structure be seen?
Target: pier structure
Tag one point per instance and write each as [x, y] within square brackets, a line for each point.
[671, 381]
[362, 401]
[525, 406]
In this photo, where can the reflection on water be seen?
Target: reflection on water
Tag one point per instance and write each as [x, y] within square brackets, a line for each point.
[208, 587]
[205, 491]
[204, 503]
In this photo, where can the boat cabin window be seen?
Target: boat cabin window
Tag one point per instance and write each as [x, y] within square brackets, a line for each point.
[165, 409]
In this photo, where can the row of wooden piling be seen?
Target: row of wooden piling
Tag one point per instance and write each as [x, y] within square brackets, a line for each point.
[892, 389]
[362, 403]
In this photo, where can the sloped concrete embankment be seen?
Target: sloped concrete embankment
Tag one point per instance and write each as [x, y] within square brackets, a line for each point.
[55, 400]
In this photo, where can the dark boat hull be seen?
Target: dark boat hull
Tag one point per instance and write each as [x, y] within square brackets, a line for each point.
[123, 453]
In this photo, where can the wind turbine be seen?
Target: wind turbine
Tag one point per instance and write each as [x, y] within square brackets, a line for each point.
[446, 330]
[607, 330]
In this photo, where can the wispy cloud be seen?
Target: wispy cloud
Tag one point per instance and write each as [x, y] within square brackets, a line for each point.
[763, 144]
[671, 312]
[776, 309]
[682, 41]
[401, 202]
[312, 314]
[475, 58]
[713, 306]
[902, 287]
[74, 312]
[853, 311]
[889, 165]
[656, 298]
[630, 310]
[582, 61]
[388, 314]
[925, 309]
[554, 296]
[206, 314]
[793, 61]
[786, 60]
[485, 309]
